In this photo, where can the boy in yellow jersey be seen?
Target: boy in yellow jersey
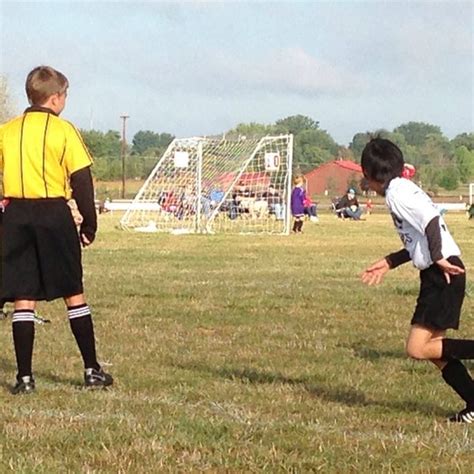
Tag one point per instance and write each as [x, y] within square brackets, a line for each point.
[45, 163]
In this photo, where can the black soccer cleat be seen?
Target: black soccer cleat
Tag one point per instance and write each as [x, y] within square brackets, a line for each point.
[464, 416]
[97, 378]
[25, 384]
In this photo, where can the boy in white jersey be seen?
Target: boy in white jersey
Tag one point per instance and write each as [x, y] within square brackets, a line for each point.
[431, 248]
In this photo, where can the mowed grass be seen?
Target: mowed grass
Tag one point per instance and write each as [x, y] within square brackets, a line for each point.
[239, 354]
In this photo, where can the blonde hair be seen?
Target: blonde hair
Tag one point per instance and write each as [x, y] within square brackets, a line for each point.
[298, 180]
[43, 82]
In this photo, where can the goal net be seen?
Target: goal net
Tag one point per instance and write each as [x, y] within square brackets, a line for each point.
[217, 185]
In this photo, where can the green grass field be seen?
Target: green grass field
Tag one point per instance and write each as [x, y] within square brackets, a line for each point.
[239, 354]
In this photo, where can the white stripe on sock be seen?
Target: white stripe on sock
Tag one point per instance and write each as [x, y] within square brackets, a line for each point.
[23, 316]
[78, 312]
[468, 417]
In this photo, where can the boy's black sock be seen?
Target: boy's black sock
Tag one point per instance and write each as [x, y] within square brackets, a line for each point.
[23, 328]
[80, 320]
[295, 226]
[457, 377]
[457, 349]
[300, 225]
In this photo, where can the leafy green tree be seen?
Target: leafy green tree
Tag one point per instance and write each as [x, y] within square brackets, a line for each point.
[146, 140]
[416, 133]
[412, 155]
[449, 178]
[307, 157]
[464, 139]
[440, 146]
[428, 177]
[359, 140]
[435, 156]
[252, 129]
[318, 138]
[102, 144]
[295, 124]
[312, 148]
[107, 168]
[465, 163]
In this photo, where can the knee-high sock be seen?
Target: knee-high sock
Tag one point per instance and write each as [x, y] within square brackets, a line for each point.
[23, 328]
[300, 225]
[80, 320]
[457, 377]
[458, 349]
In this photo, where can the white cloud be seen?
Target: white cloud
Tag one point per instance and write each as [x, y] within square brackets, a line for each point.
[291, 71]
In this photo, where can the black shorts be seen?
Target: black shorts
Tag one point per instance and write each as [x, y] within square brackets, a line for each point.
[41, 251]
[439, 304]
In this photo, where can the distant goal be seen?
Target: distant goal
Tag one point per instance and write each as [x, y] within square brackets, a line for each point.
[209, 185]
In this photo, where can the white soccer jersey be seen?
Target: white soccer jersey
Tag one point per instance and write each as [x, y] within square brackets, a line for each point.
[412, 210]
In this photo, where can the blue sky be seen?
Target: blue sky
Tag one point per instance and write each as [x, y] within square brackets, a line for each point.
[200, 68]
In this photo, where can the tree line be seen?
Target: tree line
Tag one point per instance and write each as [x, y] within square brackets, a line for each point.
[440, 162]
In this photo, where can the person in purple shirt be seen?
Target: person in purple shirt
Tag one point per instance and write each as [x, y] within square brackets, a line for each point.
[297, 204]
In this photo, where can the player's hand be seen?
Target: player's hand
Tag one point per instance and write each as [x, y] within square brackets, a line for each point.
[449, 269]
[375, 273]
[85, 241]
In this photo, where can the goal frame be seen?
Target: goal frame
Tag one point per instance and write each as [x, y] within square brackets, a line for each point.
[246, 166]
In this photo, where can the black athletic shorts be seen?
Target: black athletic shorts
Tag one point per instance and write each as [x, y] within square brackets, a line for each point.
[41, 251]
[439, 304]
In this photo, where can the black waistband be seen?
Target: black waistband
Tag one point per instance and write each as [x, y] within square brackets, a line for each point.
[55, 199]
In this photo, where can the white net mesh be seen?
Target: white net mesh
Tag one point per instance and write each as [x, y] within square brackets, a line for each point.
[217, 185]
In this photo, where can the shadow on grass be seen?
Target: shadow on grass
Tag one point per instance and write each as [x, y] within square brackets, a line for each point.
[342, 394]
[76, 382]
[361, 350]
[7, 366]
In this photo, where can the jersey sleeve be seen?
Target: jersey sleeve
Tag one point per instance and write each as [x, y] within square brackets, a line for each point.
[415, 208]
[76, 154]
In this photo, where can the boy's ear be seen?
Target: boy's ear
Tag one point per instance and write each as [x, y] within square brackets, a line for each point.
[51, 102]
[55, 99]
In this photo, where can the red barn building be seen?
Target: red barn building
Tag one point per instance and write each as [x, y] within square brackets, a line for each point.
[334, 177]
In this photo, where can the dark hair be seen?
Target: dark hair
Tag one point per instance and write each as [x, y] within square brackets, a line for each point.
[382, 160]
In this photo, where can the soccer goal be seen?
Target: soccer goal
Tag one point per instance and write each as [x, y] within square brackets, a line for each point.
[209, 185]
[471, 194]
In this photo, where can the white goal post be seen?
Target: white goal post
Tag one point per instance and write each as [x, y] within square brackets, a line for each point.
[471, 194]
[217, 185]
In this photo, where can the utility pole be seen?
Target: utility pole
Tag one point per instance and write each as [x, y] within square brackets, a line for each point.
[124, 118]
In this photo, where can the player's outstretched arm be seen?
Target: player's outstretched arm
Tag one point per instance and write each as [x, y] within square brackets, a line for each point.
[374, 274]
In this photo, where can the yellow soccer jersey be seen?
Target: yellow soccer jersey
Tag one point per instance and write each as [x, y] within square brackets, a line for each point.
[38, 153]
